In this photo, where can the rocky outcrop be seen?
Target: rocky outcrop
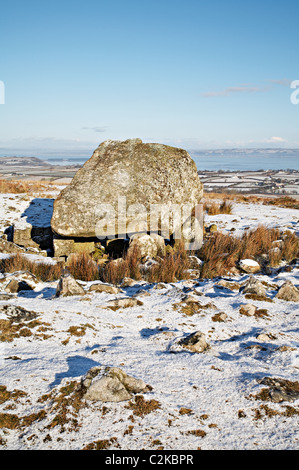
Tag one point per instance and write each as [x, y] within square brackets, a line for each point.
[196, 342]
[68, 286]
[288, 292]
[253, 286]
[111, 385]
[280, 390]
[115, 190]
[249, 266]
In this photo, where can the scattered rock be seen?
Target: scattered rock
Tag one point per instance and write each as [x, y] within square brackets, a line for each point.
[6, 296]
[113, 385]
[196, 342]
[29, 236]
[253, 286]
[160, 285]
[288, 292]
[249, 266]
[220, 317]
[264, 338]
[9, 247]
[20, 281]
[15, 286]
[195, 262]
[280, 390]
[146, 267]
[104, 288]
[18, 314]
[143, 245]
[68, 286]
[231, 285]
[127, 281]
[68, 246]
[125, 302]
[212, 228]
[249, 310]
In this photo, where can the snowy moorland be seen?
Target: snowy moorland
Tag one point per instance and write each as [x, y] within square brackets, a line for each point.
[216, 399]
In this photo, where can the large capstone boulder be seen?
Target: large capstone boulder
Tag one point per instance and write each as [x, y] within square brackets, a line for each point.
[128, 187]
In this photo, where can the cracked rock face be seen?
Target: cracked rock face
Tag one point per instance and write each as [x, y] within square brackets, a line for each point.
[111, 385]
[196, 342]
[288, 292]
[253, 286]
[68, 286]
[139, 173]
[280, 389]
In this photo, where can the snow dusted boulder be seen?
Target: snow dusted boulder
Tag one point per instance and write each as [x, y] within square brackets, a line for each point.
[111, 385]
[125, 302]
[195, 342]
[249, 266]
[68, 286]
[142, 174]
[106, 288]
[253, 286]
[9, 247]
[20, 281]
[288, 292]
[143, 245]
[18, 314]
[248, 309]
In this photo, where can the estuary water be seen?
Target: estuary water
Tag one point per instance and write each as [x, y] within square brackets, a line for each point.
[213, 162]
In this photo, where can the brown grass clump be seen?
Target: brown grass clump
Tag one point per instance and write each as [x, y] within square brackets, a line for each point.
[102, 444]
[222, 252]
[290, 247]
[283, 201]
[43, 271]
[258, 241]
[6, 395]
[173, 267]
[219, 254]
[215, 208]
[26, 187]
[279, 201]
[82, 266]
[9, 421]
[142, 407]
[115, 271]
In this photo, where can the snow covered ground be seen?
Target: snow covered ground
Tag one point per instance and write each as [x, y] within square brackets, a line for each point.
[205, 400]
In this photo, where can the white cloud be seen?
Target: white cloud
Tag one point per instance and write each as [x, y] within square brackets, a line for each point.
[274, 140]
[237, 89]
[283, 82]
[95, 129]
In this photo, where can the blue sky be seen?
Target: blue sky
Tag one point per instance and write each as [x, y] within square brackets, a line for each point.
[195, 74]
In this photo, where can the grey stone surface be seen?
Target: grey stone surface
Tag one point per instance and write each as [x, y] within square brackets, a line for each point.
[143, 174]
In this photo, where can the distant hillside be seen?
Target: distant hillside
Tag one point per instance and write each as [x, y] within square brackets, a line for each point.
[23, 161]
[248, 152]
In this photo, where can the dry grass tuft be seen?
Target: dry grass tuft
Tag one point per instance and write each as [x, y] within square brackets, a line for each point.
[214, 208]
[26, 187]
[142, 407]
[43, 271]
[82, 266]
[115, 271]
[173, 267]
[221, 252]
